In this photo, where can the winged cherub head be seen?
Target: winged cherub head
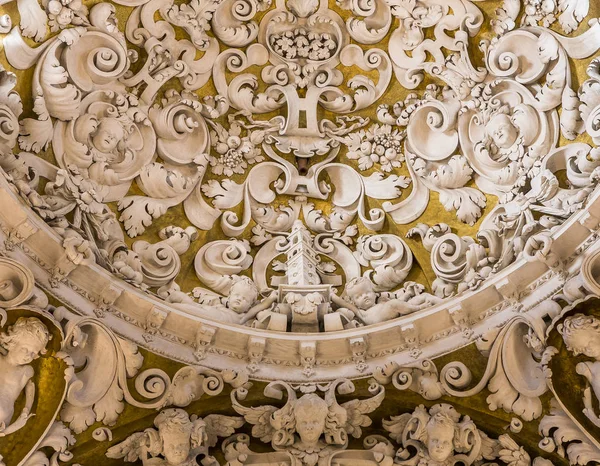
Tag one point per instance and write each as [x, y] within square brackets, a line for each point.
[176, 430]
[310, 413]
[439, 435]
[311, 425]
[178, 437]
[440, 430]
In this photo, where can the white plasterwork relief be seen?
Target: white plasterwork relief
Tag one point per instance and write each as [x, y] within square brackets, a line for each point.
[120, 131]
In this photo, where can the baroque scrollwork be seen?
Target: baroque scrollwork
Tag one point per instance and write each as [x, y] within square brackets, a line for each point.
[118, 132]
[311, 427]
[178, 437]
[313, 192]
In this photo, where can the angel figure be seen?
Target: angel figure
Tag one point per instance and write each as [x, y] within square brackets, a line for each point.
[23, 342]
[361, 299]
[177, 439]
[241, 305]
[581, 335]
[310, 428]
[439, 437]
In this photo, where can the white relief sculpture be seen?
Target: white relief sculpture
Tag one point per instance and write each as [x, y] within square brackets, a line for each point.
[380, 144]
[440, 435]
[22, 343]
[110, 142]
[176, 440]
[234, 151]
[33, 19]
[410, 56]
[109, 126]
[284, 172]
[362, 300]
[504, 137]
[59, 438]
[61, 15]
[160, 261]
[514, 374]
[242, 304]
[105, 138]
[569, 14]
[560, 432]
[421, 378]
[309, 428]
[581, 335]
[103, 362]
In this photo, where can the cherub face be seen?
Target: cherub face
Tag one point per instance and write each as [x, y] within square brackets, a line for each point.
[108, 134]
[584, 341]
[502, 131]
[176, 446]
[310, 424]
[25, 350]
[440, 442]
[240, 299]
[362, 295]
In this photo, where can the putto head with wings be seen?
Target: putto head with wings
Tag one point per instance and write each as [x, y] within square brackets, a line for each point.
[177, 439]
[310, 427]
[438, 437]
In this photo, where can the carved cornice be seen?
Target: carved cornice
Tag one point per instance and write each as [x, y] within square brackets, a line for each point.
[88, 288]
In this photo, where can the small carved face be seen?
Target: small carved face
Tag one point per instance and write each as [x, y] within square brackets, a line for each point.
[362, 295]
[440, 439]
[584, 341]
[108, 135]
[310, 420]
[176, 446]
[502, 131]
[26, 349]
[240, 299]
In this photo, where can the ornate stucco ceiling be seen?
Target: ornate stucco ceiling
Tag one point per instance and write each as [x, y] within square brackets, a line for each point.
[244, 232]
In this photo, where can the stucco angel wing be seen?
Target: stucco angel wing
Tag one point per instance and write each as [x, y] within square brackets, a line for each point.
[408, 426]
[260, 418]
[396, 425]
[357, 410]
[136, 446]
[220, 426]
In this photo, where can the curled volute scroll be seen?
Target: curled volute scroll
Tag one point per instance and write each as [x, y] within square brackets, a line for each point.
[17, 287]
[104, 362]
[514, 374]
